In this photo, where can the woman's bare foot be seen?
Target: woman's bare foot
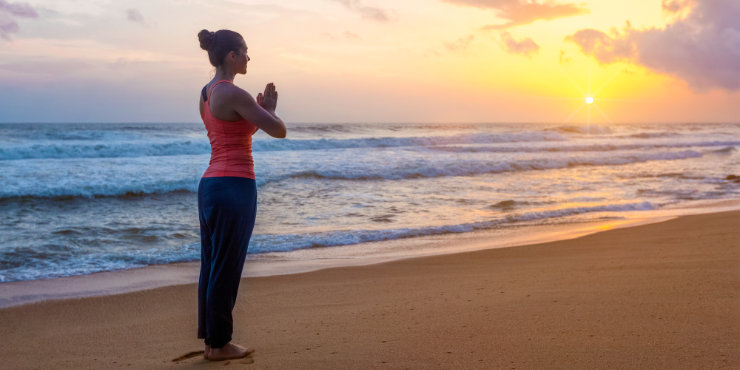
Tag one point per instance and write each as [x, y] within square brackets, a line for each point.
[228, 352]
[207, 352]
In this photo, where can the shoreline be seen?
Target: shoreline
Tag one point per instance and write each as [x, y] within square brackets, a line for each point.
[661, 295]
[307, 260]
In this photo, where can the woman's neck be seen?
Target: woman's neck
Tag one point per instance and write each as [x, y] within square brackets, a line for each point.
[224, 75]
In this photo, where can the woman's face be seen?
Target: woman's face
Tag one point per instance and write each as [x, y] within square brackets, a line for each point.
[241, 59]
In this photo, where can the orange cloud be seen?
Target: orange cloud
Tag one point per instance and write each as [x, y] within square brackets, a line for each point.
[520, 12]
[525, 46]
[605, 48]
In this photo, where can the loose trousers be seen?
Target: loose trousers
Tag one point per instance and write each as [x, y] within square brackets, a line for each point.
[227, 207]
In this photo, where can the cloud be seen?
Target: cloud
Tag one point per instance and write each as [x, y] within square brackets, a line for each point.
[703, 49]
[134, 16]
[8, 13]
[366, 12]
[461, 43]
[526, 46]
[521, 12]
[606, 49]
[674, 6]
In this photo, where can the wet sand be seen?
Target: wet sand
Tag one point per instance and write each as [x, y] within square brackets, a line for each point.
[662, 295]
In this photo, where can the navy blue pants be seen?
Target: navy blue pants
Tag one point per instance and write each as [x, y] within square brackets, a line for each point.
[227, 207]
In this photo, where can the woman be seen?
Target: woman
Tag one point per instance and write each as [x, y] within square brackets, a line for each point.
[227, 194]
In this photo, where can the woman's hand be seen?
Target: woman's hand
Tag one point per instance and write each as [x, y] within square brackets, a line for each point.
[261, 111]
[268, 100]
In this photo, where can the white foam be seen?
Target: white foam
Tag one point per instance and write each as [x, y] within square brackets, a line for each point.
[288, 242]
[67, 261]
[151, 175]
[125, 146]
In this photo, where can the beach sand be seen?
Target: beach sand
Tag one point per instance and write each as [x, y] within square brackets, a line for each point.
[663, 295]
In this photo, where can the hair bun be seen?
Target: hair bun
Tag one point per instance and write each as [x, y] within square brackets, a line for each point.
[206, 39]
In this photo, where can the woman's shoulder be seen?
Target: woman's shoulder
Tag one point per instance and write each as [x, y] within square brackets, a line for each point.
[229, 91]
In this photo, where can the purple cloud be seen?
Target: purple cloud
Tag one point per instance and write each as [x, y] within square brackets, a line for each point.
[702, 49]
[8, 13]
[521, 12]
[526, 46]
[366, 12]
[134, 16]
[19, 9]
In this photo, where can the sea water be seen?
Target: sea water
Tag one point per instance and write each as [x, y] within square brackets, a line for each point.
[80, 198]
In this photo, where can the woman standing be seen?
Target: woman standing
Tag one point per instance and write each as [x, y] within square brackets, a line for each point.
[227, 194]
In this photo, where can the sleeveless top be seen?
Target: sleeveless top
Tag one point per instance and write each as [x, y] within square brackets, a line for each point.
[231, 143]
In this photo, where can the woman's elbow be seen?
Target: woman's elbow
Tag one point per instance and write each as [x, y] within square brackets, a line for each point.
[282, 131]
[279, 132]
[275, 128]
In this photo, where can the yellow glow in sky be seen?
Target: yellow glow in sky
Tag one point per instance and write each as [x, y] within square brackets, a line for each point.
[332, 61]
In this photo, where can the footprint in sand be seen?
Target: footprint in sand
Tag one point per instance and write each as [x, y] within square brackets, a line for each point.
[188, 355]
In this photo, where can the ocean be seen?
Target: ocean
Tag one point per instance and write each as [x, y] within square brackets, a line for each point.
[80, 198]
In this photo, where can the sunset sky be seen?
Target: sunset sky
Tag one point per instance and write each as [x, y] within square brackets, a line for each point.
[377, 60]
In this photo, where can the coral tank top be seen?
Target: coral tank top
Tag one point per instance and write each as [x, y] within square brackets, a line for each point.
[231, 143]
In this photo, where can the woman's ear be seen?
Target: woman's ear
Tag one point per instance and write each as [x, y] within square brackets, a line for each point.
[231, 55]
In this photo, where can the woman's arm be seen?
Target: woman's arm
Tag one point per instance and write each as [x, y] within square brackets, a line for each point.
[261, 112]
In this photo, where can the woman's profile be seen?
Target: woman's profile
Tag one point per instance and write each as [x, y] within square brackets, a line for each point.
[227, 193]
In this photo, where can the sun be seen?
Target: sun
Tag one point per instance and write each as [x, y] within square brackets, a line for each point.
[588, 96]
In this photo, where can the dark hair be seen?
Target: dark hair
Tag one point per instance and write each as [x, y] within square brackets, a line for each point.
[219, 43]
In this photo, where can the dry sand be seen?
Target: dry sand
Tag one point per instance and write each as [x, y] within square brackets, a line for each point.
[655, 296]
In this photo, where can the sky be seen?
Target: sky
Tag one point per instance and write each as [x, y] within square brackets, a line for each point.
[378, 60]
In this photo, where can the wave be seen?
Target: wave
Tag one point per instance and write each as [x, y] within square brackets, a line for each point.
[507, 204]
[104, 150]
[88, 178]
[54, 260]
[675, 175]
[583, 129]
[586, 147]
[290, 242]
[142, 176]
[642, 206]
[543, 141]
[163, 147]
[469, 167]
[122, 189]
[27, 263]
[652, 135]
[724, 151]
